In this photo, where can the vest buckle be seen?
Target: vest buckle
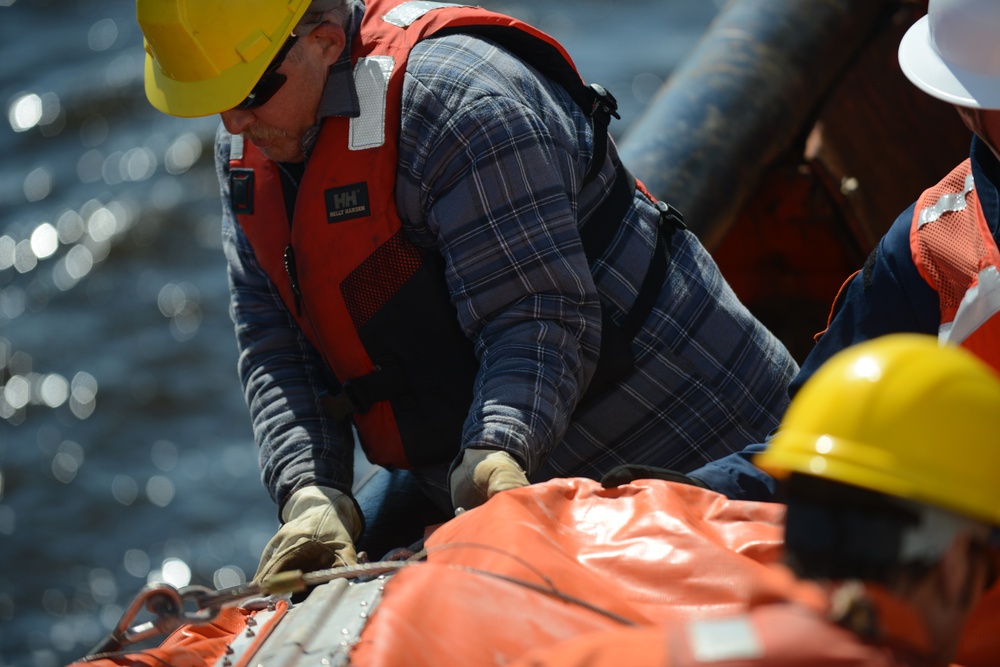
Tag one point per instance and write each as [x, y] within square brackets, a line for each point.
[670, 215]
[604, 106]
[348, 401]
[241, 190]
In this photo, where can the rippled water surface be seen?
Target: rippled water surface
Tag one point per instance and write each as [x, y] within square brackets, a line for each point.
[125, 448]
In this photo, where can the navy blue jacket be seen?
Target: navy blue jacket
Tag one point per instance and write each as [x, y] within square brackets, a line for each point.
[887, 296]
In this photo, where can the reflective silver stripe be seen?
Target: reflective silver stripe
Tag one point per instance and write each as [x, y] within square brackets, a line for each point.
[236, 147]
[953, 201]
[371, 78]
[980, 303]
[323, 629]
[405, 14]
[944, 332]
[717, 639]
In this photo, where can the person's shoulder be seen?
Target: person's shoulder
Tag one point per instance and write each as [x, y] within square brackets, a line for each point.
[466, 59]
[895, 242]
[465, 75]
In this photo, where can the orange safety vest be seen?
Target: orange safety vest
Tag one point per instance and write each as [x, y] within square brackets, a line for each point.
[956, 254]
[371, 302]
[772, 632]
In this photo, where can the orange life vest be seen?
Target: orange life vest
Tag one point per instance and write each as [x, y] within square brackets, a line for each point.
[956, 254]
[770, 632]
[371, 302]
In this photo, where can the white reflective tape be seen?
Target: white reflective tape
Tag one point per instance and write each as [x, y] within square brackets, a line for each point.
[714, 640]
[944, 333]
[236, 147]
[980, 303]
[405, 14]
[371, 78]
[322, 629]
[953, 201]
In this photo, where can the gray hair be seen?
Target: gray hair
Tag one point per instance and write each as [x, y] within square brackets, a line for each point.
[324, 11]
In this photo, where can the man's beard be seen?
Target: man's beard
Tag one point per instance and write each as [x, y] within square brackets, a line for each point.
[259, 134]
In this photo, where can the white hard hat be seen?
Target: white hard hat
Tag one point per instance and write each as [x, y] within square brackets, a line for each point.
[953, 53]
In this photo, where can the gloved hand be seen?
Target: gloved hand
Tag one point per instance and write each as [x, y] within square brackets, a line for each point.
[319, 530]
[482, 474]
[628, 472]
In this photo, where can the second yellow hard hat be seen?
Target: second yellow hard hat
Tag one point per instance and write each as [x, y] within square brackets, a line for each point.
[900, 415]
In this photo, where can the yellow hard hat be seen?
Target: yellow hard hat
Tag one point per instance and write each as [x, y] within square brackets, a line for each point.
[205, 56]
[900, 415]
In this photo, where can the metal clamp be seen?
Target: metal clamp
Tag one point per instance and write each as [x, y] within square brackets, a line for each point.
[167, 604]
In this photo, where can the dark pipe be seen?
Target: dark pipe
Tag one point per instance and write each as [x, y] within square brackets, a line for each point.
[739, 99]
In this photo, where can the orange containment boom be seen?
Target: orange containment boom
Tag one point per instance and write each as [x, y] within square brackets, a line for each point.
[530, 568]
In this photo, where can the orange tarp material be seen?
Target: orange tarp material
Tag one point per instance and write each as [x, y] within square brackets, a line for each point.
[642, 552]
[564, 559]
[199, 645]
[981, 639]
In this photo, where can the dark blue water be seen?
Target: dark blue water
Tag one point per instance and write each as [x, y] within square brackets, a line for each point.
[125, 448]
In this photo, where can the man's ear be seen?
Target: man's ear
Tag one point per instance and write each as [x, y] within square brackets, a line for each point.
[332, 40]
[952, 566]
[957, 571]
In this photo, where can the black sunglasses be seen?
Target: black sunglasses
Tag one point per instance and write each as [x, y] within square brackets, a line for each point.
[270, 81]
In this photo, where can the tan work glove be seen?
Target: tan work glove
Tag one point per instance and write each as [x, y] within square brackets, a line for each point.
[320, 526]
[482, 474]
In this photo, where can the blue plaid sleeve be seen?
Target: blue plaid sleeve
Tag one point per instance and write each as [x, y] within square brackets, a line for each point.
[282, 374]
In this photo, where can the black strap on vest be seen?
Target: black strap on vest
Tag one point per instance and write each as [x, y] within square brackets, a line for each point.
[360, 394]
[616, 359]
[604, 222]
[291, 174]
[670, 221]
[602, 108]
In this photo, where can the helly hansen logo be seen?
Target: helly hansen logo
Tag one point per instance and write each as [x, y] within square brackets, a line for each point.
[347, 202]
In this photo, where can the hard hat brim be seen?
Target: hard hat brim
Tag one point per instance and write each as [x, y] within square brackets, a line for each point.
[221, 82]
[924, 67]
[194, 99]
[872, 468]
